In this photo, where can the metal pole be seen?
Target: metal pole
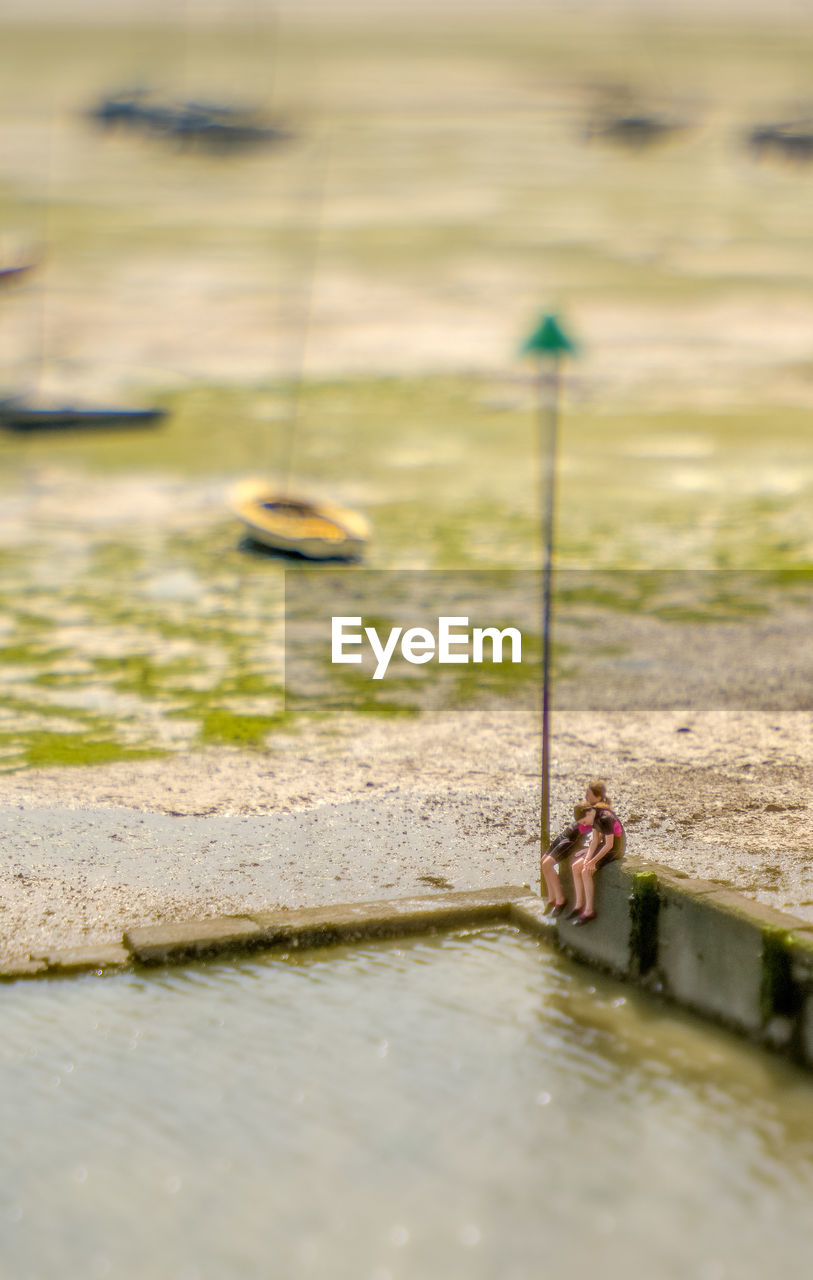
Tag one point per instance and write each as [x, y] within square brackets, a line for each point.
[549, 382]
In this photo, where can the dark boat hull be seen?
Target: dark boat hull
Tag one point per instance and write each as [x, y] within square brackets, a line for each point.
[22, 419]
[9, 274]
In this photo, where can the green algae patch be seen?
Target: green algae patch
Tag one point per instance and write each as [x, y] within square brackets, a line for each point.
[228, 728]
[44, 750]
[30, 655]
[780, 994]
[141, 674]
[645, 905]
[26, 707]
[116, 558]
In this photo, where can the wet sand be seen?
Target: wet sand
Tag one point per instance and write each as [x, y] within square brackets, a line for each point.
[371, 810]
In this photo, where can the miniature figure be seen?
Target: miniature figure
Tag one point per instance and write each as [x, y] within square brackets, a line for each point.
[568, 840]
[607, 844]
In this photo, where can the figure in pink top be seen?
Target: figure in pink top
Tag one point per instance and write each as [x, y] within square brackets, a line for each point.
[607, 843]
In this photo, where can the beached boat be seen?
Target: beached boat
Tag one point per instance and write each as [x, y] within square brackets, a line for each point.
[40, 410]
[278, 519]
[315, 530]
[17, 414]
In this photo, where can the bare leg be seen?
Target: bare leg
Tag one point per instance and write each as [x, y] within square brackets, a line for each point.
[588, 872]
[591, 866]
[578, 887]
[553, 884]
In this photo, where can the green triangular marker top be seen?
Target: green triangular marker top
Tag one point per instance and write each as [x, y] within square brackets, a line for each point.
[548, 339]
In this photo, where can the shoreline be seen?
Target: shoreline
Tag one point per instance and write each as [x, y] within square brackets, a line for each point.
[359, 810]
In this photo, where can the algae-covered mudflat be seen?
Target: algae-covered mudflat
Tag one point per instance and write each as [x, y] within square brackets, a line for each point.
[370, 280]
[133, 613]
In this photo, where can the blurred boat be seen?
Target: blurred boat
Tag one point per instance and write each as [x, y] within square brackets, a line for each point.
[639, 129]
[36, 409]
[789, 139]
[195, 127]
[315, 530]
[9, 274]
[19, 415]
[214, 126]
[124, 109]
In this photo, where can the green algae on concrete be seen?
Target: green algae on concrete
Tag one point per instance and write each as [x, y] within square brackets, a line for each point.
[802, 976]
[780, 994]
[645, 906]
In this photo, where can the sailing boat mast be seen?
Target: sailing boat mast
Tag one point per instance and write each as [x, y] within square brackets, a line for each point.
[273, 517]
[315, 202]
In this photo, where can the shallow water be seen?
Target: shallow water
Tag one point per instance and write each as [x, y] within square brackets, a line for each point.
[471, 1105]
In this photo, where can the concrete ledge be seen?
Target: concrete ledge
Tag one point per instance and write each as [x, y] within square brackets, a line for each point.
[677, 880]
[21, 967]
[155, 944]
[319, 926]
[529, 914]
[704, 947]
[696, 943]
[350, 922]
[710, 953]
[79, 959]
[606, 940]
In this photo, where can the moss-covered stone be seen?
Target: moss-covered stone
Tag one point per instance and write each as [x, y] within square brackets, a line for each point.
[780, 994]
[645, 906]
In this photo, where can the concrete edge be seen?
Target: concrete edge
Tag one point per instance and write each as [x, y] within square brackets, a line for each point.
[706, 948]
[187, 939]
[305, 927]
[696, 943]
[114, 956]
[320, 926]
